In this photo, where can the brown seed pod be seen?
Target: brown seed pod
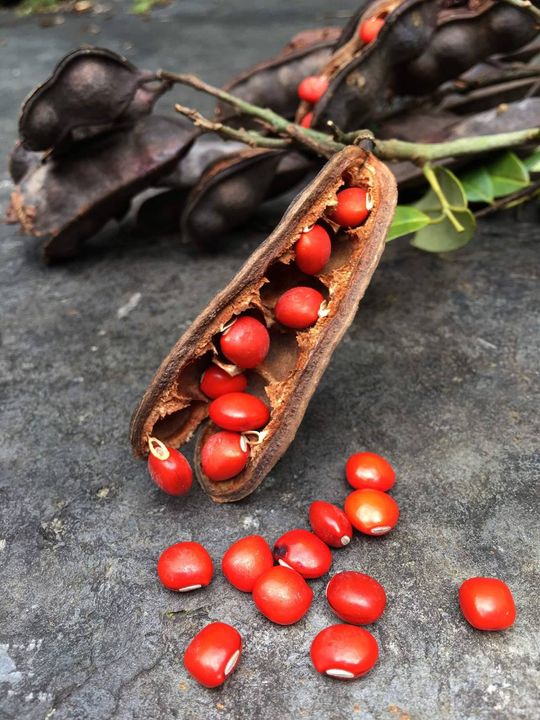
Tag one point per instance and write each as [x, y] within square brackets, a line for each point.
[173, 405]
[274, 83]
[21, 161]
[464, 37]
[69, 198]
[361, 75]
[91, 90]
[420, 46]
[227, 194]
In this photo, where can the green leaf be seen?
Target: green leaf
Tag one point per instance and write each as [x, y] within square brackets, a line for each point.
[406, 220]
[451, 188]
[508, 174]
[443, 237]
[532, 163]
[478, 185]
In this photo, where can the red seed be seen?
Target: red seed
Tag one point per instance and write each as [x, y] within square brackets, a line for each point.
[312, 88]
[487, 603]
[213, 654]
[305, 122]
[168, 468]
[215, 382]
[352, 207]
[345, 652]
[246, 342]
[369, 29]
[371, 511]
[282, 595]
[369, 470]
[330, 524]
[246, 560]
[356, 598]
[298, 307]
[224, 455]
[239, 412]
[304, 552]
[313, 249]
[185, 566]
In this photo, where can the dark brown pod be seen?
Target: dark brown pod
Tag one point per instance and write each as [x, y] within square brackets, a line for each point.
[173, 406]
[464, 37]
[360, 81]
[227, 194]
[90, 90]
[69, 198]
[160, 213]
[274, 83]
[21, 161]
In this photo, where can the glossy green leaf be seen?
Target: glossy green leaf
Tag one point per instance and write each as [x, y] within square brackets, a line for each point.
[406, 220]
[532, 163]
[443, 237]
[478, 185]
[508, 174]
[451, 188]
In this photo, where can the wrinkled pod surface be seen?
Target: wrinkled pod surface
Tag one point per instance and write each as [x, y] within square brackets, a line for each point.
[173, 406]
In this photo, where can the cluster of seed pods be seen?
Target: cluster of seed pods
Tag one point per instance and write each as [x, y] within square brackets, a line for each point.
[281, 592]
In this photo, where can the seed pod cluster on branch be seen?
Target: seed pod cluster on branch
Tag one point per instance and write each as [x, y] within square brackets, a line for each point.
[286, 373]
[396, 64]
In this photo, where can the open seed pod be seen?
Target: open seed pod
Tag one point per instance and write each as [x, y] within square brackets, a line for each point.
[360, 76]
[274, 83]
[420, 46]
[68, 198]
[90, 90]
[174, 406]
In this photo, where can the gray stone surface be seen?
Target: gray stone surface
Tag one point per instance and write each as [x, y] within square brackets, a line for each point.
[439, 373]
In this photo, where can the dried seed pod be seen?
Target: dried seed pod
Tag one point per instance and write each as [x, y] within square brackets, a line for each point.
[206, 149]
[21, 161]
[173, 405]
[90, 90]
[69, 198]
[464, 37]
[360, 76]
[273, 83]
[421, 45]
[227, 194]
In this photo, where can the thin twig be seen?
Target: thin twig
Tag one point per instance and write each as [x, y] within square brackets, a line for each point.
[525, 5]
[249, 137]
[421, 153]
[527, 193]
[311, 138]
[431, 177]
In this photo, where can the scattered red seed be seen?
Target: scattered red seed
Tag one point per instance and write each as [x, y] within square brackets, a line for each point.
[246, 560]
[168, 468]
[299, 307]
[185, 566]
[246, 342]
[304, 552]
[313, 249]
[312, 88]
[356, 598]
[369, 29]
[305, 122]
[282, 595]
[213, 654]
[224, 455]
[369, 470]
[345, 652]
[487, 603]
[352, 207]
[239, 412]
[330, 524]
[371, 511]
[215, 382]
